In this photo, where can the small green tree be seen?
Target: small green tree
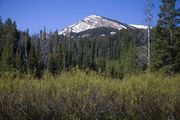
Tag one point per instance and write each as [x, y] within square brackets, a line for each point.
[129, 58]
[52, 65]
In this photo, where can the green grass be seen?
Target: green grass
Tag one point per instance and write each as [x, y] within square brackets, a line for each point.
[78, 95]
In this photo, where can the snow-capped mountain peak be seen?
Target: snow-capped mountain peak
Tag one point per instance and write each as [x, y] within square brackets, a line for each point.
[92, 17]
[95, 21]
[91, 22]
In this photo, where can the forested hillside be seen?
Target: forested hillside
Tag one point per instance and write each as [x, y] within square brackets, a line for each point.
[54, 53]
[123, 52]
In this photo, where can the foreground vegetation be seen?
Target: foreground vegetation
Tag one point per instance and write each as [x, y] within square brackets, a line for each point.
[86, 95]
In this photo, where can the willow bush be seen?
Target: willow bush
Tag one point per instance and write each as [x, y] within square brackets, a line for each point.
[89, 96]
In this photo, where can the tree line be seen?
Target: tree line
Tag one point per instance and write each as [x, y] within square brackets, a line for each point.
[54, 53]
[116, 55]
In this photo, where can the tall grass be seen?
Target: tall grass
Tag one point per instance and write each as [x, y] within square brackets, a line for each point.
[78, 95]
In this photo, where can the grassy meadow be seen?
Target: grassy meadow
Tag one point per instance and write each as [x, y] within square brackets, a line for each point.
[79, 95]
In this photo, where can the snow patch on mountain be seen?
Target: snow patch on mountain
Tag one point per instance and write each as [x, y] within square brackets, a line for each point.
[139, 26]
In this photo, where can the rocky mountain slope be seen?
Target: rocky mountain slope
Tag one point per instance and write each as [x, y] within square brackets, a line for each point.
[95, 21]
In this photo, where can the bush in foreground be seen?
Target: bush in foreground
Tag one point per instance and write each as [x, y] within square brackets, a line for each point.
[88, 96]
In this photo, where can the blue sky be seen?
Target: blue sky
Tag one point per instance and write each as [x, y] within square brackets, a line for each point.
[35, 14]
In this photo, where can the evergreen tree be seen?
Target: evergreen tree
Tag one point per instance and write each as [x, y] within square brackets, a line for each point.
[164, 45]
[18, 60]
[129, 59]
[59, 58]
[52, 65]
[25, 50]
[81, 52]
[1, 37]
[9, 44]
[176, 51]
[27, 41]
[93, 56]
[32, 59]
[39, 62]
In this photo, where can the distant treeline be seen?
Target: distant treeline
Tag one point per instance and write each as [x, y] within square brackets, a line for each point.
[54, 53]
[115, 55]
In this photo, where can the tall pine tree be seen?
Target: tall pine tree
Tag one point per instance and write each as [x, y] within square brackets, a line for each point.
[1, 37]
[165, 40]
[9, 44]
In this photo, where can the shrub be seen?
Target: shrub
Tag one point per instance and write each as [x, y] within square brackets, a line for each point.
[81, 95]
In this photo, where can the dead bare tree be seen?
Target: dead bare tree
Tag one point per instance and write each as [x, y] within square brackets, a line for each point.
[149, 17]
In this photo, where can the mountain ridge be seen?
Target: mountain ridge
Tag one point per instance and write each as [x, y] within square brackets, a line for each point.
[96, 21]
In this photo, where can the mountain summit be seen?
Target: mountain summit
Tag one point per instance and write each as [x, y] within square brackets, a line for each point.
[92, 22]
